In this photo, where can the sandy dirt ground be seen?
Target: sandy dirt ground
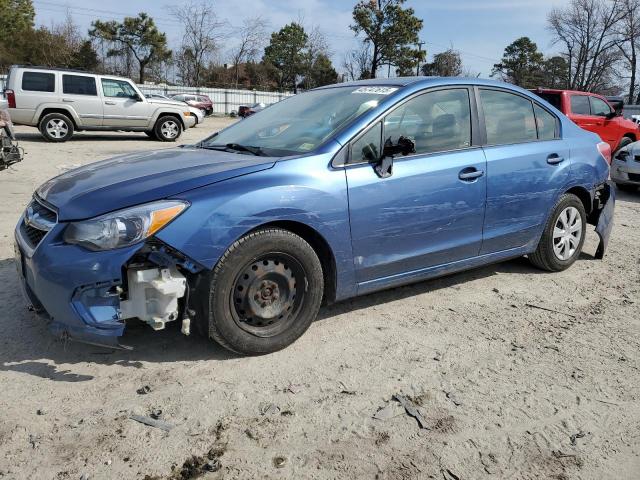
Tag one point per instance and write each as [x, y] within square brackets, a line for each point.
[505, 389]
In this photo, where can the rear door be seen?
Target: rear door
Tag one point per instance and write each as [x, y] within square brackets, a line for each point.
[527, 165]
[81, 93]
[122, 105]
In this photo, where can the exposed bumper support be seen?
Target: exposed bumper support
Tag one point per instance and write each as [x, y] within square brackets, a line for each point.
[602, 215]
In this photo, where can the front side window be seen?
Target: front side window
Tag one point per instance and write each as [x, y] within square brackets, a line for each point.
[78, 85]
[436, 121]
[599, 107]
[367, 147]
[508, 118]
[301, 123]
[580, 105]
[117, 88]
[547, 124]
[38, 82]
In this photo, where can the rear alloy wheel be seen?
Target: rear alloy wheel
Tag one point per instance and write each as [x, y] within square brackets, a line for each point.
[168, 129]
[56, 127]
[265, 292]
[563, 236]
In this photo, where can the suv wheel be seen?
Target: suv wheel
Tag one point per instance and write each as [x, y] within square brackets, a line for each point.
[168, 129]
[264, 292]
[563, 237]
[56, 127]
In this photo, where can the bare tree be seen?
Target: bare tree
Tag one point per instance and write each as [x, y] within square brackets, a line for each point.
[628, 31]
[252, 37]
[202, 32]
[586, 29]
[356, 63]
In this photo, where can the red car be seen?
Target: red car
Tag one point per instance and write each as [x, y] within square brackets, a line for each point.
[202, 102]
[594, 113]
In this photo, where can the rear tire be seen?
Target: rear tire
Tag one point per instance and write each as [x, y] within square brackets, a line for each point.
[56, 127]
[563, 236]
[264, 292]
[168, 129]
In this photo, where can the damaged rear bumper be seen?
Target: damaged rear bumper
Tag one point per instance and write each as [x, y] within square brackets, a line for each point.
[602, 215]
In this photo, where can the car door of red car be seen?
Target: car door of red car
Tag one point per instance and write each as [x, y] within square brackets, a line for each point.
[582, 115]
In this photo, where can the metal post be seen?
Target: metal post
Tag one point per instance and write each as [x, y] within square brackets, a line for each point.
[420, 51]
[226, 101]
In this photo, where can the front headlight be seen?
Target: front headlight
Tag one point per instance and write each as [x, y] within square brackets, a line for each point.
[124, 227]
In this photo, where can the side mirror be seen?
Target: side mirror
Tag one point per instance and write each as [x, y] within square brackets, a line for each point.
[612, 115]
[405, 146]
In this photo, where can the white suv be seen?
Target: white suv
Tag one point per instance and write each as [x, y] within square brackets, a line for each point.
[60, 102]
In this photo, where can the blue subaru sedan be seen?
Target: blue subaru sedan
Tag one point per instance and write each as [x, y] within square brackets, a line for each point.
[334, 193]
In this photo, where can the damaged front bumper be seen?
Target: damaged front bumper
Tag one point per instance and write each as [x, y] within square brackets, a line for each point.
[602, 215]
[81, 292]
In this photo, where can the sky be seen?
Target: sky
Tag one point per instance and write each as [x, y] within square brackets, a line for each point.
[478, 29]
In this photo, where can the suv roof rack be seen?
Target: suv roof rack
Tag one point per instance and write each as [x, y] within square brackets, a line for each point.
[60, 69]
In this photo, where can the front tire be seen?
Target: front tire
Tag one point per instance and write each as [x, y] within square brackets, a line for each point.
[264, 292]
[563, 236]
[56, 127]
[168, 129]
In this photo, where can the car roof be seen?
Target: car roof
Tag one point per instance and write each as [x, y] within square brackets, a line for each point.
[559, 90]
[424, 81]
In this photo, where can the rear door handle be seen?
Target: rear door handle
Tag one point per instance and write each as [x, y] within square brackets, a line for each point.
[554, 159]
[109, 103]
[470, 174]
[68, 100]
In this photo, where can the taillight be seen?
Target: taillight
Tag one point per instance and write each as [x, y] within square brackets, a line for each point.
[11, 98]
[605, 150]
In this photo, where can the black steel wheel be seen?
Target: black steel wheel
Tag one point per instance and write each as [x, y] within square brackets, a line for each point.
[264, 292]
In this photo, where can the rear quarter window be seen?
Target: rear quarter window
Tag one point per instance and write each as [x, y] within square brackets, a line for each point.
[38, 82]
[79, 85]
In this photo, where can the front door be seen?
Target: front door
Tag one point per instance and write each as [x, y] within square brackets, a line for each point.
[123, 107]
[430, 211]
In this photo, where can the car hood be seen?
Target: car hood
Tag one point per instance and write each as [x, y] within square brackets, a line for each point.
[138, 178]
[175, 103]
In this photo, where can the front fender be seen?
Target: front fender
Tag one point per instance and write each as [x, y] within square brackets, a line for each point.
[304, 190]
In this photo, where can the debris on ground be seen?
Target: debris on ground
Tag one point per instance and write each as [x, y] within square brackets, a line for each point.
[152, 422]
[390, 410]
[196, 465]
[269, 409]
[411, 409]
[575, 436]
[279, 461]
[538, 307]
[156, 413]
[452, 396]
[40, 412]
[294, 389]
[143, 390]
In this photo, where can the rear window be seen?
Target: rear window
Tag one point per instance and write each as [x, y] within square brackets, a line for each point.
[38, 82]
[79, 85]
[580, 105]
[553, 98]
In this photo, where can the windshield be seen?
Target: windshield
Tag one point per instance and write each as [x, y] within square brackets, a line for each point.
[301, 123]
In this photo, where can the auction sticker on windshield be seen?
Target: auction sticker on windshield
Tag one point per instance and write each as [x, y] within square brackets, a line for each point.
[376, 90]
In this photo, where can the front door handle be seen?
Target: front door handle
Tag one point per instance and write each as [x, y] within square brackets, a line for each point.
[109, 103]
[554, 159]
[469, 174]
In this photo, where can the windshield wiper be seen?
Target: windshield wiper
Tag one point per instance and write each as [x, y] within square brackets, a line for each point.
[257, 151]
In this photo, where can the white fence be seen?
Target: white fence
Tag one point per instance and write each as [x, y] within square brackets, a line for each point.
[225, 101]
